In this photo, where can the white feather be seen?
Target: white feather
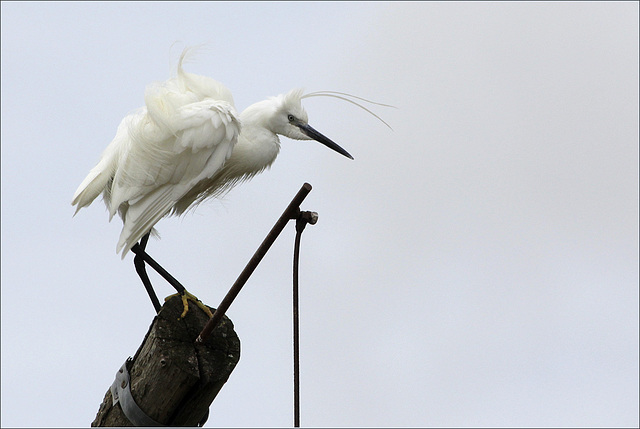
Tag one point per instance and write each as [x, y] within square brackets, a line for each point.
[184, 134]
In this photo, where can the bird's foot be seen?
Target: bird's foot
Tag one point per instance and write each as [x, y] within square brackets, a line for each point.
[186, 297]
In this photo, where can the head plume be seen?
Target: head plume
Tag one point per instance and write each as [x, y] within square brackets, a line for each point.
[350, 99]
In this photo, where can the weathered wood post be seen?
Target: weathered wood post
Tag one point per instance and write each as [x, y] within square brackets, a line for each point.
[173, 379]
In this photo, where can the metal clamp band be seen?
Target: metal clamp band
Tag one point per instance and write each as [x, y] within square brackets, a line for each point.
[121, 392]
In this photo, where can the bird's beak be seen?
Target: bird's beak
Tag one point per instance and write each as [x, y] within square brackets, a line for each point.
[312, 133]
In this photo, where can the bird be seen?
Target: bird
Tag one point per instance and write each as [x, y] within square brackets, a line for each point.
[186, 145]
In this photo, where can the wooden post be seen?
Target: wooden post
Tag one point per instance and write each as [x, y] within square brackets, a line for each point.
[173, 379]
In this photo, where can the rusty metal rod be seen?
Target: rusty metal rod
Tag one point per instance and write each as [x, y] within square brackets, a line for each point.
[296, 327]
[291, 212]
[300, 224]
[303, 219]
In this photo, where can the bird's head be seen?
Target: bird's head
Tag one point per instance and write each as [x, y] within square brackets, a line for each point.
[285, 115]
[290, 119]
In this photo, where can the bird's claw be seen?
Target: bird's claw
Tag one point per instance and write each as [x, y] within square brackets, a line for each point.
[186, 297]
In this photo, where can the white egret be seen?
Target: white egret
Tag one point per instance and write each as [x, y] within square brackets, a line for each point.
[188, 144]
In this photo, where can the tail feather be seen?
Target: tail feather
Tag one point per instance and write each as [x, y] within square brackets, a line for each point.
[96, 181]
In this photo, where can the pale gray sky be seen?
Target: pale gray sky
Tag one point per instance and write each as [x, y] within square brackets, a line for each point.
[476, 266]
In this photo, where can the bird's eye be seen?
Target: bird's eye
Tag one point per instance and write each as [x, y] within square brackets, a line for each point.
[291, 118]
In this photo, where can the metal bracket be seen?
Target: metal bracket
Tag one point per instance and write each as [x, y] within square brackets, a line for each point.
[121, 392]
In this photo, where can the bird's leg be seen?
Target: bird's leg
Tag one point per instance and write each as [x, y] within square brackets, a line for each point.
[138, 262]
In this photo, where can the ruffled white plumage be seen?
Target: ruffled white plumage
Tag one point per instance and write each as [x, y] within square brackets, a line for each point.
[183, 135]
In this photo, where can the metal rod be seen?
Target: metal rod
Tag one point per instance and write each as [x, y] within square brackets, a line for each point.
[290, 212]
[301, 222]
[303, 219]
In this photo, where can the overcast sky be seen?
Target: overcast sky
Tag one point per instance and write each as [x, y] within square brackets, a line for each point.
[475, 266]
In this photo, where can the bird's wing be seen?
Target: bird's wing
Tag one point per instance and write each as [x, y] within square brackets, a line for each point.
[170, 150]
